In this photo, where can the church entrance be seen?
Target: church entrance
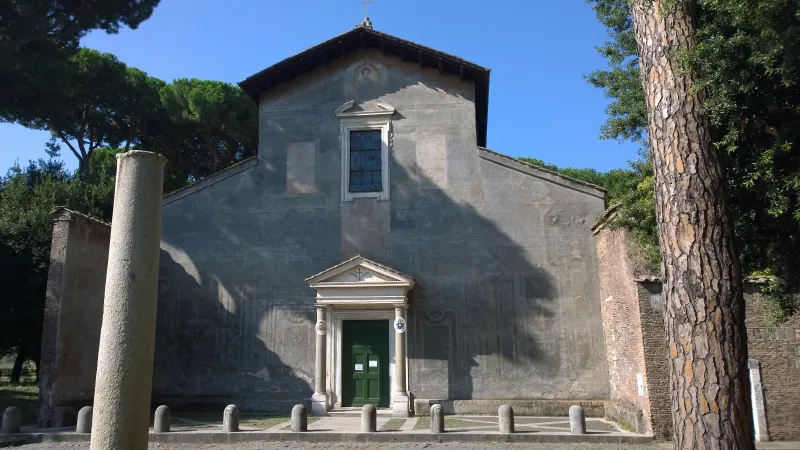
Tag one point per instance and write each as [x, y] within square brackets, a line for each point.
[365, 363]
[361, 330]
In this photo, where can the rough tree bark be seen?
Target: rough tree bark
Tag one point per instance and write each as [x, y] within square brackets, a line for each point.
[704, 315]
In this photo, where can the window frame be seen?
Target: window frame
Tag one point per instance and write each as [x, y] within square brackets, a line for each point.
[350, 161]
[365, 121]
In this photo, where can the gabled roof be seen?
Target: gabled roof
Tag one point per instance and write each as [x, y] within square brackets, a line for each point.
[363, 37]
[354, 262]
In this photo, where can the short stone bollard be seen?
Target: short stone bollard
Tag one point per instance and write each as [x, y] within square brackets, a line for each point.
[577, 421]
[299, 419]
[505, 416]
[84, 420]
[369, 419]
[12, 419]
[163, 418]
[230, 419]
[437, 419]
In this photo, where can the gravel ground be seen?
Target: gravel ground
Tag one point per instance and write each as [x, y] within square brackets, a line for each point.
[343, 446]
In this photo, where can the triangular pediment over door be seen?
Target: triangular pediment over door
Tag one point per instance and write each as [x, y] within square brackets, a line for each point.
[361, 283]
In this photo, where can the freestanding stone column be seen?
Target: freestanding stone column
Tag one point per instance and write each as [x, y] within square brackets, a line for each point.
[437, 419]
[12, 419]
[400, 405]
[757, 400]
[230, 419]
[299, 419]
[162, 419]
[319, 400]
[84, 420]
[577, 420]
[369, 419]
[124, 379]
[505, 418]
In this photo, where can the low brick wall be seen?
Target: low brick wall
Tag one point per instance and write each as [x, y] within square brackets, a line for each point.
[547, 408]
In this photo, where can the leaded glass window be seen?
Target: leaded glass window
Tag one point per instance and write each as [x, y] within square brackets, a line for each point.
[365, 161]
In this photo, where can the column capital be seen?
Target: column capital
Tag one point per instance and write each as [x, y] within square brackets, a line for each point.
[400, 307]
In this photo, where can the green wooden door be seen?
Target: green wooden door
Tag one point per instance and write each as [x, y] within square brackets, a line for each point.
[365, 363]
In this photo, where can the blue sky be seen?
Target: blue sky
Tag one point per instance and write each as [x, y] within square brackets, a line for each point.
[539, 103]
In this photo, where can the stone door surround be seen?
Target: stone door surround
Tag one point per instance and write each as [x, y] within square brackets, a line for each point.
[359, 289]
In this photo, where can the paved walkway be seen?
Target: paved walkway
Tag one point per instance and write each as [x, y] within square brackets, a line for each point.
[342, 431]
[385, 423]
[398, 446]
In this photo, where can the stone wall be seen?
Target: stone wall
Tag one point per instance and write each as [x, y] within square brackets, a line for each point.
[776, 348]
[72, 316]
[506, 304]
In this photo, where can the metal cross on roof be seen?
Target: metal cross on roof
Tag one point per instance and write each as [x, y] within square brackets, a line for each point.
[366, 7]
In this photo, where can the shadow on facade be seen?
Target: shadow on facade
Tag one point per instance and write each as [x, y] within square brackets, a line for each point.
[236, 316]
[209, 352]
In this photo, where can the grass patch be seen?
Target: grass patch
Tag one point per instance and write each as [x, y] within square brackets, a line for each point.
[626, 426]
[25, 396]
[253, 420]
[262, 420]
[393, 425]
[424, 423]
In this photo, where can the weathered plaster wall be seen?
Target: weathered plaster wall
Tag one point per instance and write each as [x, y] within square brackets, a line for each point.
[72, 316]
[506, 304]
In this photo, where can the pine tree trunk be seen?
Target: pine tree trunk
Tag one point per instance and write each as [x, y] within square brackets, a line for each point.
[704, 314]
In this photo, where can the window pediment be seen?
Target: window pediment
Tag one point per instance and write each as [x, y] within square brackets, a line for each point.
[372, 108]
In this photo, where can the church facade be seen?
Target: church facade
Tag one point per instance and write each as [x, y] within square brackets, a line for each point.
[375, 252]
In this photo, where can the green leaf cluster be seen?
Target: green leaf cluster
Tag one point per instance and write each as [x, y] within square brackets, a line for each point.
[746, 66]
[28, 197]
[38, 37]
[201, 126]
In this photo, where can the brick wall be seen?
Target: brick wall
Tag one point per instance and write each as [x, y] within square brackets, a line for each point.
[633, 321]
[651, 307]
[72, 317]
[622, 326]
[778, 351]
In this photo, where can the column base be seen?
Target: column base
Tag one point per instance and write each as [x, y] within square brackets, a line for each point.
[400, 405]
[319, 404]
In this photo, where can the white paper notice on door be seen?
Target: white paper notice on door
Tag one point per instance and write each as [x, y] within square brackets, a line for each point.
[373, 363]
[359, 367]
